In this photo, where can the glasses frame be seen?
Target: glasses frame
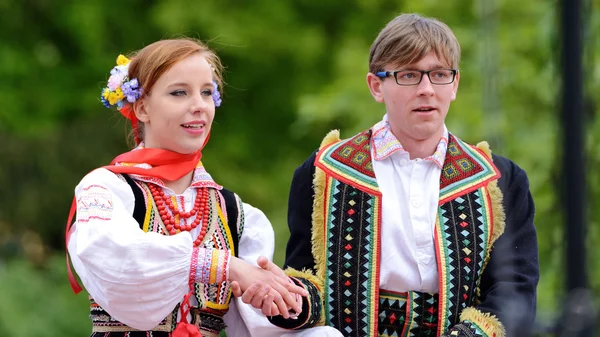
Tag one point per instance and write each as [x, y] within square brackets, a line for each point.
[393, 73]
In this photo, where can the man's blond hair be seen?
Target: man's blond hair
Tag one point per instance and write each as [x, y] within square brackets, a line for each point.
[408, 38]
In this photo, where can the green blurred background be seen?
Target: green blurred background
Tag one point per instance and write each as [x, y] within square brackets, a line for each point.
[295, 69]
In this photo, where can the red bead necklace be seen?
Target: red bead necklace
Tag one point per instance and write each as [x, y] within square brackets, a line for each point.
[200, 209]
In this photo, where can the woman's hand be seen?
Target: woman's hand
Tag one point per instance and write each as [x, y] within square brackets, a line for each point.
[265, 287]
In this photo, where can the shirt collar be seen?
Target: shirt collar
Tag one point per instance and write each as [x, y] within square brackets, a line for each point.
[385, 143]
[201, 177]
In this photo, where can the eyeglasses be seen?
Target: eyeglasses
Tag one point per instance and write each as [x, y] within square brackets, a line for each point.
[414, 77]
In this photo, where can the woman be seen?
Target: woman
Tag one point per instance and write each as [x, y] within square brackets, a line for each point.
[156, 241]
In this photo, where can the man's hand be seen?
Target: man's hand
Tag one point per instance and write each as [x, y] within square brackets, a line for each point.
[265, 287]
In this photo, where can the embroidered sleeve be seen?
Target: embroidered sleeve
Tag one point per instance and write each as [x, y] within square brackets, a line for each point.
[94, 203]
[210, 266]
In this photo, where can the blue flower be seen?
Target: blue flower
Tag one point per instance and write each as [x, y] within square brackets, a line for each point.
[131, 90]
[104, 101]
[216, 95]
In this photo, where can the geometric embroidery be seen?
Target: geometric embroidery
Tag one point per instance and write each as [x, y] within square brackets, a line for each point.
[455, 157]
[465, 169]
[356, 153]
[347, 294]
[450, 172]
[463, 233]
[350, 161]
[424, 308]
[392, 314]
[420, 320]
[465, 165]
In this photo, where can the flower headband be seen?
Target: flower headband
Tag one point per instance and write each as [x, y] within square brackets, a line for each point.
[120, 89]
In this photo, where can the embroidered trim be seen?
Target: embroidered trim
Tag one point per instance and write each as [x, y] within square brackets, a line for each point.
[350, 161]
[193, 266]
[462, 240]
[466, 169]
[94, 203]
[385, 143]
[352, 239]
[318, 224]
[392, 313]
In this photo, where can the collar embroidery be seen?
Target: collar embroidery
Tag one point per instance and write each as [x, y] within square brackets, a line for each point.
[385, 143]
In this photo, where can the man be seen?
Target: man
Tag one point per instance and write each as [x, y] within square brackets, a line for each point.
[404, 229]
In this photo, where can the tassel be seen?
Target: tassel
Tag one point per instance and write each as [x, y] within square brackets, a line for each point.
[185, 329]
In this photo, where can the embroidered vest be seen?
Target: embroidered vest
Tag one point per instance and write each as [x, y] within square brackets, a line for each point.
[347, 219]
[213, 300]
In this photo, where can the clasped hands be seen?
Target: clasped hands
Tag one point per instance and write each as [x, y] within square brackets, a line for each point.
[265, 287]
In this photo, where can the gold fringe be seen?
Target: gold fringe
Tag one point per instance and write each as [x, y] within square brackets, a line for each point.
[485, 147]
[499, 216]
[497, 209]
[318, 235]
[496, 199]
[487, 322]
[318, 218]
[332, 137]
[318, 221]
[305, 274]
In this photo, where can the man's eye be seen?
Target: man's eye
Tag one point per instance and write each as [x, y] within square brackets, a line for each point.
[408, 75]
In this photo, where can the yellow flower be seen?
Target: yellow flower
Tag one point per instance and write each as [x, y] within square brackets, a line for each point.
[119, 94]
[112, 98]
[105, 93]
[122, 60]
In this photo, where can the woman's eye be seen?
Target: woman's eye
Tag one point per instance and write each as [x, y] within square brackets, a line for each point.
[178, 93]
[207, 92]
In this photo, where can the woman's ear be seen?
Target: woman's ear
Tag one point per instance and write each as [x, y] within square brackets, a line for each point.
[139, 108]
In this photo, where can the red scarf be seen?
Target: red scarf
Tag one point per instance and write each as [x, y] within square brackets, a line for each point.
[166, 165]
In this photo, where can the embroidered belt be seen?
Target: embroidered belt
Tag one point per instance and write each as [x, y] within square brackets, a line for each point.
[407, 314]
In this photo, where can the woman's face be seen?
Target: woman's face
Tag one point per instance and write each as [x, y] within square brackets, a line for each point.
[179, 111]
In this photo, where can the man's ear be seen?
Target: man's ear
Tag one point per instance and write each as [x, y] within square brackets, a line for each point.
[139, 108]
[375, 86]
[455, 86]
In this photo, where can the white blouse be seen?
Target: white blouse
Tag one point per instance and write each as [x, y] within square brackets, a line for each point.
[139, 277]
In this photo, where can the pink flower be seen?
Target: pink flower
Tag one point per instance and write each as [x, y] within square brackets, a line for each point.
[115, 81]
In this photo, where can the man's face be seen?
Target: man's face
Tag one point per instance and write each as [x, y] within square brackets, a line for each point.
[416, 112]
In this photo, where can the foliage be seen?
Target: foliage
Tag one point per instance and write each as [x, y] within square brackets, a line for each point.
[295, 69]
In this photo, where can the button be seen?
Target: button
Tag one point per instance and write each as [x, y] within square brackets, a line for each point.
[403, 162]
[416, 202]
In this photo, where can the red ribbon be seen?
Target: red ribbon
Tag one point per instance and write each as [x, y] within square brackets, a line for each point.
[128, 112]
[185, 329]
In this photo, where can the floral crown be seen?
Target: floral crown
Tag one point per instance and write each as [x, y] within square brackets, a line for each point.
[120, 89]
